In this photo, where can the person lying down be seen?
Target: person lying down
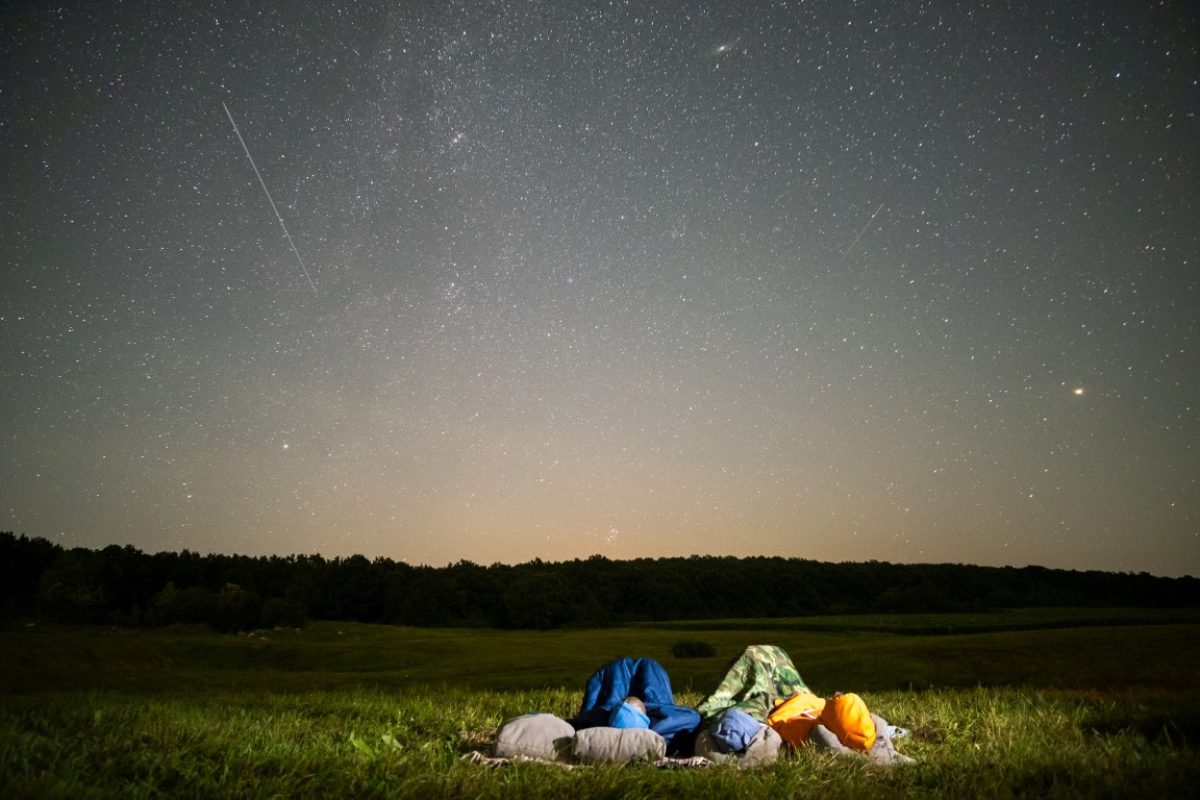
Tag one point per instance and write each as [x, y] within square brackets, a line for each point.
[762, 704]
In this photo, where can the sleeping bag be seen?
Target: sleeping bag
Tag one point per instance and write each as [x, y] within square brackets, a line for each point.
[761, 677]
[644, 678]
[845, 715]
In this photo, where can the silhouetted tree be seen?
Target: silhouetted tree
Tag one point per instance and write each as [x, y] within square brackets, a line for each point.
[73, 589]
[124, 585]
[22, 563]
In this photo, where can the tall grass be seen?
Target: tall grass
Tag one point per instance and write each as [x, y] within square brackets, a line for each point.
[360, 711]
[363, 743]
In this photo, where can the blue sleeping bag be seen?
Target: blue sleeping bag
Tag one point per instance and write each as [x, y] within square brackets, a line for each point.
[638, 677]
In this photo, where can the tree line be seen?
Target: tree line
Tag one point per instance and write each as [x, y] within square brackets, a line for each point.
[124, 586]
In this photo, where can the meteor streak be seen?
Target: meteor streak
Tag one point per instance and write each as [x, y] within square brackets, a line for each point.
[853, 244]
[270, 200]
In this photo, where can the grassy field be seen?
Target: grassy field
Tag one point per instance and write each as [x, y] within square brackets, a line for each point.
[1054, 703]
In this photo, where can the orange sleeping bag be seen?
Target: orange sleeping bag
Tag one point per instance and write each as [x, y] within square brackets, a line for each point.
[794, 718]
[846, 715]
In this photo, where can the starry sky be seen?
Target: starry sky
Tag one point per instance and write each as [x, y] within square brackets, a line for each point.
[913, 282]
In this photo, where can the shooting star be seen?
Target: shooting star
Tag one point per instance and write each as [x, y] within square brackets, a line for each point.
[854, 244]
[270, 200]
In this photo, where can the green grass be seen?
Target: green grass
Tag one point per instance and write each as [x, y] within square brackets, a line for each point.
[332, 655]
[372, 711]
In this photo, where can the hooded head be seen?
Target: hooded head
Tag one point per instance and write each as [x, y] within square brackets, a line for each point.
[630, 713]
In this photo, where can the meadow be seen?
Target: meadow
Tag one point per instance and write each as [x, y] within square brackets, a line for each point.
[1049, 703]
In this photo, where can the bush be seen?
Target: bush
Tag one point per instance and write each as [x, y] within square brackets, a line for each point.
[693, 648]
[280, 613]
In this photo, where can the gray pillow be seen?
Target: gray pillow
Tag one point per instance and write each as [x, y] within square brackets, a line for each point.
[617, 745]
[824, 739]
[762, 750]
[541, 736]
[882, 752]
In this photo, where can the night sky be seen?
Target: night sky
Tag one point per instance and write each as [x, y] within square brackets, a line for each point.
[912, 282]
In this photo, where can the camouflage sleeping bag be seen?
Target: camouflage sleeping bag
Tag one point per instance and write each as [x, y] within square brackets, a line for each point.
[761, 677]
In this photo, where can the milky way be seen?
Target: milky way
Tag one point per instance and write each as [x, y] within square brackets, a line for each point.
[844, 281]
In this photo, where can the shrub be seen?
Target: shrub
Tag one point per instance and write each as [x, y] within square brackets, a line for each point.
[281, 613]
[693, 648]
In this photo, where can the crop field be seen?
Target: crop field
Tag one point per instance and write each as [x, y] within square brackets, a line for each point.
[1049, 703]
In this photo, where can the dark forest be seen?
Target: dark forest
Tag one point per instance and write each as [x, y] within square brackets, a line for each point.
[124, 586]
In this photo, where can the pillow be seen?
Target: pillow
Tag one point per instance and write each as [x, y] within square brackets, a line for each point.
[541, 736]
[824, 739]
[884, 751]
[763, 748]
[617, 745]
[707, 748]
